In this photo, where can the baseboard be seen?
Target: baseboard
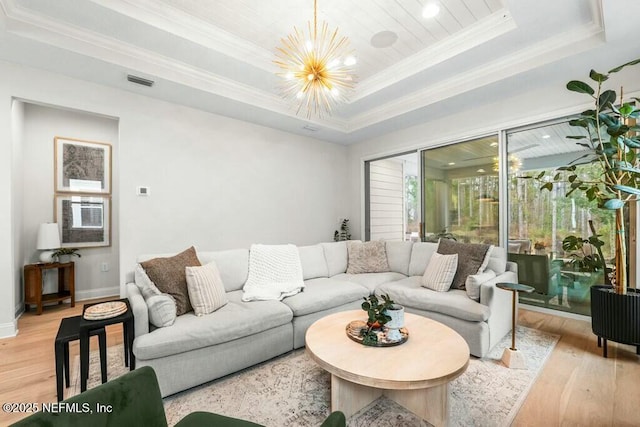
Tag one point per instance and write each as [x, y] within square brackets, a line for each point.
[8, 329]
[98, 293]
[559, 313]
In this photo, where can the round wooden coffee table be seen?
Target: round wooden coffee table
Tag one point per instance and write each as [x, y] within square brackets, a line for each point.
[415, 374]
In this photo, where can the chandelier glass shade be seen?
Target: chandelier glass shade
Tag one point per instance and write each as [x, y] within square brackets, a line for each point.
[316, 68]
[515, 163]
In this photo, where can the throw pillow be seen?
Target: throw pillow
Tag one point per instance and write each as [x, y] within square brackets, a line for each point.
[367, 257]
[440, 272]
[474, 282]
[146, 286]
[471, 257]
[168, 274]
[206, 290]
[162, 310]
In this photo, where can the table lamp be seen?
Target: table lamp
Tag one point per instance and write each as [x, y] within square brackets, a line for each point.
[48, 241]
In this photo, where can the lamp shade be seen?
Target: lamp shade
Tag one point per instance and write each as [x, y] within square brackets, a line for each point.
[48, 236]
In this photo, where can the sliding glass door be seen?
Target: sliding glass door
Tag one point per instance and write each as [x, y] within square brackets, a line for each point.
[550, 228]
[460, 194]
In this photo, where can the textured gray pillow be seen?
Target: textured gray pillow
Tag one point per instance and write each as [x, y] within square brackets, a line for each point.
[168, 274]
[162, 310]
[367, 257]
[471, 257]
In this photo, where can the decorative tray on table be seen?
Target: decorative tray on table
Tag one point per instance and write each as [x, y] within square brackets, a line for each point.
[105, 310]
[356, 329]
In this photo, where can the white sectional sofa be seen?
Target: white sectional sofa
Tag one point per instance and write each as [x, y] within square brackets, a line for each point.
[195, 350]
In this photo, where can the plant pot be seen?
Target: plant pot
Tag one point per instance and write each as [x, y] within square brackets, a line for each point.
[63, 259]
[614, 316]
[396, 312]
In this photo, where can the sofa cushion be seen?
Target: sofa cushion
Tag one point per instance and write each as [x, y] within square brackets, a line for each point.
[324, 293]
[440, 272]
[497, 260]
[161, 309]
[168, 274]
[233, 266]
[410, 293]
[235, 320]
[206, 290]
[367, 257]
[399, 256]
[336, 255]
[313, 262]
[420, 255]
[370, 280]
[472, 259]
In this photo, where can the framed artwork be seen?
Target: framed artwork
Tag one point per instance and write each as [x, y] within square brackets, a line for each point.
[84, 220]
[82, 166]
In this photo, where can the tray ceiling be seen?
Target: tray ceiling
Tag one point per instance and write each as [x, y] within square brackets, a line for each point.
[218, 55]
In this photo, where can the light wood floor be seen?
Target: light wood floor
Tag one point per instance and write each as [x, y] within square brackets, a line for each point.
[577, 387]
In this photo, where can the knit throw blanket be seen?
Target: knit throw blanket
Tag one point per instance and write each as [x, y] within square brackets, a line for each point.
[275, 272]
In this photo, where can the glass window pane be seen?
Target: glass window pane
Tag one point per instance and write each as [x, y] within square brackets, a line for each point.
[541, 219]
[460, 191]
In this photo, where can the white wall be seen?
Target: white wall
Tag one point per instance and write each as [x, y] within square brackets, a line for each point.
[218, 183]
[41, 125]
[17, 115]
[215, 182]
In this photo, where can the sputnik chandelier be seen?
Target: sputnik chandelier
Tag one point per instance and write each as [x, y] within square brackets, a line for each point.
[514, 163]
[317, 69]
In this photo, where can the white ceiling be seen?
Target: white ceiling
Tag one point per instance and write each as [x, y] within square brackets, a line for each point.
[218, 55]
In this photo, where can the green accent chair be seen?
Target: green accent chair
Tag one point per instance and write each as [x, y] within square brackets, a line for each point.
[133, 400]
[537, 271]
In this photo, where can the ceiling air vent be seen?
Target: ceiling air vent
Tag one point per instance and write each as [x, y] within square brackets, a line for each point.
[140, 80]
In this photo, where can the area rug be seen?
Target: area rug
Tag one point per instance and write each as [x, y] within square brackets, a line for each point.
[291, 390]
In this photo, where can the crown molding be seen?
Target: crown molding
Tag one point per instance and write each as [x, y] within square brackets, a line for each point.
[79, 40]
[26, 23]
[550, 50]
[494, 25]
[179, 23]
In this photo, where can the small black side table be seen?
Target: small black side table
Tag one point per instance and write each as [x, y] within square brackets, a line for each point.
[511, 357]
[86, 326]
[68, 331]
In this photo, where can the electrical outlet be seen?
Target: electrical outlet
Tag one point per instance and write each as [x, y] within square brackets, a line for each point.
[104, 267]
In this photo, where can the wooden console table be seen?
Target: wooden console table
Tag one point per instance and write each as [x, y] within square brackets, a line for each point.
[33, 284]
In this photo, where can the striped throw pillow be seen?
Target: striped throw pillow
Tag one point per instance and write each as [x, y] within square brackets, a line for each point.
[206, 290]
[440, 272]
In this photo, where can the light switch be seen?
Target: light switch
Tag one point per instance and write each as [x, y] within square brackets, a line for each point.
[143, 191]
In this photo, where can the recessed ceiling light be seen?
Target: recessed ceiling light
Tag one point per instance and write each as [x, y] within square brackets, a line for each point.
[546, 136]
[383, 39]
[451, 163]
[430, 10]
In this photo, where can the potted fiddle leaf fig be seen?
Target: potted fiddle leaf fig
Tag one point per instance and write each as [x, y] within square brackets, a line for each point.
[610, 134]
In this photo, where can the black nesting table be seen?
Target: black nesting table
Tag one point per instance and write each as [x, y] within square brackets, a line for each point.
[68, 331]
[86, 326]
